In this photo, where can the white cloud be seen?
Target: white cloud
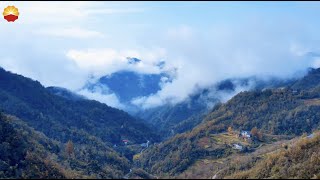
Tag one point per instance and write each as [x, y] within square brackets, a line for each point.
[102, 94]
[106, 61]
[228, 51]
[109, 99]
[38, 13]
[204, 51]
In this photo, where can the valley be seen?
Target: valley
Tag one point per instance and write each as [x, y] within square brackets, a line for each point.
[90, 139]
[160, 90]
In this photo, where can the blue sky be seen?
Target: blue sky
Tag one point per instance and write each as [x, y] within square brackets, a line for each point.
[62, 43]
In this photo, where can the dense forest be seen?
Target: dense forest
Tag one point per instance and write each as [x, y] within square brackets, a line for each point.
[27, 153]
[92, 127]
[65, 119]
[23, 152]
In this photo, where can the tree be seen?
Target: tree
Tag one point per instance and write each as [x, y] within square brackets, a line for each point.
[260, 136]
[230, 131]
[254, 132]
[69, 148]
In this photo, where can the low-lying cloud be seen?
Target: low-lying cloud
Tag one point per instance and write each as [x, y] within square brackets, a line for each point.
[99, 94]
[228, 52]
[107, 61]
[204, 51]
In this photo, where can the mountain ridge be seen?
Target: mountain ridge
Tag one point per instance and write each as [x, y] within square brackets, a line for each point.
[275, 113]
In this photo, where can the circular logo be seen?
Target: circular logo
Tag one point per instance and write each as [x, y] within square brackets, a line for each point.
[10, 13]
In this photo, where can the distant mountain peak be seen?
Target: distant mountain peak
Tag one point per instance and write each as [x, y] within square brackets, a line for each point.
[132, 60]
[161, 64]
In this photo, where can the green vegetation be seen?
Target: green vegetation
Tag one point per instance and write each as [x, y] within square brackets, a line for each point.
[173, 119]
[27, 153]
[81, 132]
[284, 159]
[49, 136]
[140, 174]
[64, 119]
[268, 114]
[22, 155]
[300, 160]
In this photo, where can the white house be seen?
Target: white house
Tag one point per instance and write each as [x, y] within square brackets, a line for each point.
[245, 134]
[237, 146]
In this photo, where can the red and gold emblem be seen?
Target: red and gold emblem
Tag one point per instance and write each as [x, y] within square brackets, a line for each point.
[11, 13]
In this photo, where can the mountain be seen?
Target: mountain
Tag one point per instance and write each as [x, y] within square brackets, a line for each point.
[22, 152]
[29, 100]
[182, 117]
[172, 119]
[132, 60]
[52, 132]
[128, 85]
[285, 159]
[308, 82]
[27, 153]
[94, 128]
[272, 115]
[297, 159]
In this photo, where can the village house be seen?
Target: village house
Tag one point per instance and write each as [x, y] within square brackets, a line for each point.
[237, 146]
[245, 134]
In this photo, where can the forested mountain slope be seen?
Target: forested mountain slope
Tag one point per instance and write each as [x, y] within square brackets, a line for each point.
[282, 112]
[65, 119]
[184, 116]
[26, 153]
[93, 129]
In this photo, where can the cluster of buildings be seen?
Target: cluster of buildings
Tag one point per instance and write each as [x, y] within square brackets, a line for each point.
[246, 135]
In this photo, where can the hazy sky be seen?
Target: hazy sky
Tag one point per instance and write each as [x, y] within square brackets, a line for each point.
[62, 43]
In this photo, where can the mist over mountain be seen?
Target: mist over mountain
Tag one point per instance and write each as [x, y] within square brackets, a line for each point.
[41, 103]
[181, 117]
[155, 90]
[289, 107]
[127, 89]
[63, 92]
[127, 85]
[130, 89]
[273, 117]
